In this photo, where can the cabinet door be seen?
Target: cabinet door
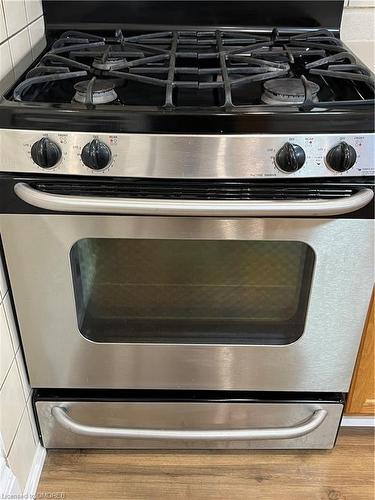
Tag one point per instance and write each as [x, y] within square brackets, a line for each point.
[361, 400]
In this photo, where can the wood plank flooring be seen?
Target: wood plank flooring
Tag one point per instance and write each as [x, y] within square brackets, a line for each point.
[345, 473]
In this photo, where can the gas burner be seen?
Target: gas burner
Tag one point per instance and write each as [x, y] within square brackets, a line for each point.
[288, 91]
[95, 92]
[108, 63]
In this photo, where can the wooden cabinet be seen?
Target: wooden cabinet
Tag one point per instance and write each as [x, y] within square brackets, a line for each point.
[361, 399]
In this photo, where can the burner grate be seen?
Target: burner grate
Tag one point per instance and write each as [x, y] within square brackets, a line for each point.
[229, 66]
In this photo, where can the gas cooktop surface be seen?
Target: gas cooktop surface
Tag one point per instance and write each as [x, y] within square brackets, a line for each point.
[216, 70]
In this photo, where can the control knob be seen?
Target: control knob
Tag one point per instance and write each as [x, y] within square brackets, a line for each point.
[290, 157]
[45, 153]
[96, 155]
[341, 157]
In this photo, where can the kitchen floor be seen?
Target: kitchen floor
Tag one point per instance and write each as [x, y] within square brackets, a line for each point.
[347, 472]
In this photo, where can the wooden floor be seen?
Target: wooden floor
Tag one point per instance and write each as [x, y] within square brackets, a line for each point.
[347, 472]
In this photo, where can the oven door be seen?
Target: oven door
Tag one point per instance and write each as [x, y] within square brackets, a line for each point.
[223, 303]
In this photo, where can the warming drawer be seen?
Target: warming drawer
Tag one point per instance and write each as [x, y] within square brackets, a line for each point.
[190, 423]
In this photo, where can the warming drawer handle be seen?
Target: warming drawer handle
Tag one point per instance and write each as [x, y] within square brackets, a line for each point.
[220, 208]
[301, 429]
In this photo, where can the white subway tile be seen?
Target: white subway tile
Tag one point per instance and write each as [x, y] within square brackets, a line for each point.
[6, 75]
[34, 9]
[12, 405]
[3, 282]
[3, 28]
[11, 323]
[361, 3]
[15, 15]
[20, 50]
[2, 447]
[23, 375]
[6, 348]
[364, 50]
[358, 24]
[37, 37]
[22, 452]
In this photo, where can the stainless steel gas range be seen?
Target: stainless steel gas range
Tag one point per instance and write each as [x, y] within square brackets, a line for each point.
[186, 214]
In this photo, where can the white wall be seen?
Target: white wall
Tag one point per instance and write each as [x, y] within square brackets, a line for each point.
[19, 441]
[358, 29]
[21, 41]
[21, 456]
[21, 38]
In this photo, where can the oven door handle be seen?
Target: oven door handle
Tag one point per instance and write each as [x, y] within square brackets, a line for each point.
[301, 429]
[221, 208]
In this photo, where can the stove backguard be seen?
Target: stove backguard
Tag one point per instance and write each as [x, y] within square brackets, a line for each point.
[208, 13]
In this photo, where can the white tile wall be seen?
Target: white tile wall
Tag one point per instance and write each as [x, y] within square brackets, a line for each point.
[361, 3]
[6, 67]
[358, 29]
[19, 440]
[33, 10]
[3, 28]
[15, 15]
[365, 50]
[22, 38]
[6, 347]
[20, 48]
[23, 375]
[21, 454]
[12, 328]
[37, 39]
[358, 23]
[12, 404]
[3, 284]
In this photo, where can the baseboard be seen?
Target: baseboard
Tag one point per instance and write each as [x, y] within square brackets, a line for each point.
[358, 421]
[35, 472]
[9, 487]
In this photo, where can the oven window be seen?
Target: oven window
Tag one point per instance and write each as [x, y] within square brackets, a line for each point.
[191, 291]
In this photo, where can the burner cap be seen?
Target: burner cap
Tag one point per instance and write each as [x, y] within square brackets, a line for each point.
[287, 91]
[102, 92]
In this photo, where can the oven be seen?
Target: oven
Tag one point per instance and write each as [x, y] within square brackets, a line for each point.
[158, 300]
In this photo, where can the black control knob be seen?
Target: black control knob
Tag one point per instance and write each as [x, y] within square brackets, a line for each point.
[290, 157]
[96, 155]
[45, 153]
[341, 157]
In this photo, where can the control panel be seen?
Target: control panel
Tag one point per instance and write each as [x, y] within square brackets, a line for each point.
[188, 156]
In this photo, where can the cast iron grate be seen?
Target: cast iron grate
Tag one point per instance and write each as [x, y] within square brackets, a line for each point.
[223, 69]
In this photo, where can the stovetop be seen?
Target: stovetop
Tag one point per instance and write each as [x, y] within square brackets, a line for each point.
[221, 71]
[193, 81]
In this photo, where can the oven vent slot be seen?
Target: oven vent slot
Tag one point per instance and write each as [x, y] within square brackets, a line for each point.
[195, 190]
